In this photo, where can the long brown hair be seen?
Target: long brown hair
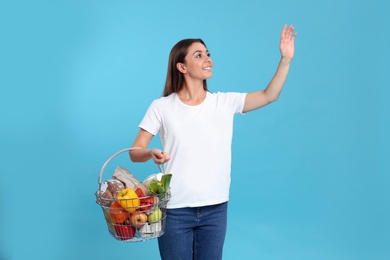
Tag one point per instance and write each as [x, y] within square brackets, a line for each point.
[175, 78]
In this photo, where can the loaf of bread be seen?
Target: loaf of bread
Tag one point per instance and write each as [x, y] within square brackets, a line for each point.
[114, 186]
[123, 175]
[108, 192]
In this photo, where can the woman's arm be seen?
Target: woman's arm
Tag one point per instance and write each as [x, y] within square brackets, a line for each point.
[255, 100]
[142, 153]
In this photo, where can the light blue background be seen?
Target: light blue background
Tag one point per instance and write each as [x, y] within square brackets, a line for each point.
[310, 173]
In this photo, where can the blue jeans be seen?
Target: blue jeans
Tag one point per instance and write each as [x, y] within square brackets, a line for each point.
[194, 233]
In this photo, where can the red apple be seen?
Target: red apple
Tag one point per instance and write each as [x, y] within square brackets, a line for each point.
[138, 219]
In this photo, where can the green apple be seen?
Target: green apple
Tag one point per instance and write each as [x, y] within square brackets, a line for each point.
[155, 216]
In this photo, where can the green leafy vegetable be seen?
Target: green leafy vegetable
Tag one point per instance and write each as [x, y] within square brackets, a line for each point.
[160, 187]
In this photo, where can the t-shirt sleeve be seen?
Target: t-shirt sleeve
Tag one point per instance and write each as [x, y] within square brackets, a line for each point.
[152, 119]
[235, 101]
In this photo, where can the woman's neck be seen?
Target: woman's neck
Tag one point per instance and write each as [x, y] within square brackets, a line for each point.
[192, 95]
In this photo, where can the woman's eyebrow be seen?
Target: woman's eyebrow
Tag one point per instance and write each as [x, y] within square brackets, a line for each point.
[207, 51]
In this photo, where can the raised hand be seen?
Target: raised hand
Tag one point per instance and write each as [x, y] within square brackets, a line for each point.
[287, 38]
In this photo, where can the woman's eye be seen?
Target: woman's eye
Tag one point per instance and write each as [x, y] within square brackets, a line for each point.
[200, 55]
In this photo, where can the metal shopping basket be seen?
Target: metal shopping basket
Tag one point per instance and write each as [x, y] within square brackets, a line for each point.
[132, 219]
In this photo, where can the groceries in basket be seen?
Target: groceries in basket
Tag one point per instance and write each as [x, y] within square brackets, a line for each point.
[134, 210]
[108, 190]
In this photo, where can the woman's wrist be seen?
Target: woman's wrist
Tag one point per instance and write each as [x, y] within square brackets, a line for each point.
[150, 152]
[285, 60]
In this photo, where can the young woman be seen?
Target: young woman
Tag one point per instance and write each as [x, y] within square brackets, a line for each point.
[196, 128]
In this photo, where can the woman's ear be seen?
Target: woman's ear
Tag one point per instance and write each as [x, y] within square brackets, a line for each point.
[181, 67]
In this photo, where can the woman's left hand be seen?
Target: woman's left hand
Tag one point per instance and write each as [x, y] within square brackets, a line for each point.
[287, 42]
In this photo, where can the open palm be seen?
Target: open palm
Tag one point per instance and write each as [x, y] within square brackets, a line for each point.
[287, 39]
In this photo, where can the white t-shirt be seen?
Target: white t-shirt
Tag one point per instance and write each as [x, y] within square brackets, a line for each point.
[198, 139]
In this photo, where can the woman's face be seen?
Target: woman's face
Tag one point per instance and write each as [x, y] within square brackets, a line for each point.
[197, 63]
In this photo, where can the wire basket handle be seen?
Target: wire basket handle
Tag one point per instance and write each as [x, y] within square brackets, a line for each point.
[112, 157]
